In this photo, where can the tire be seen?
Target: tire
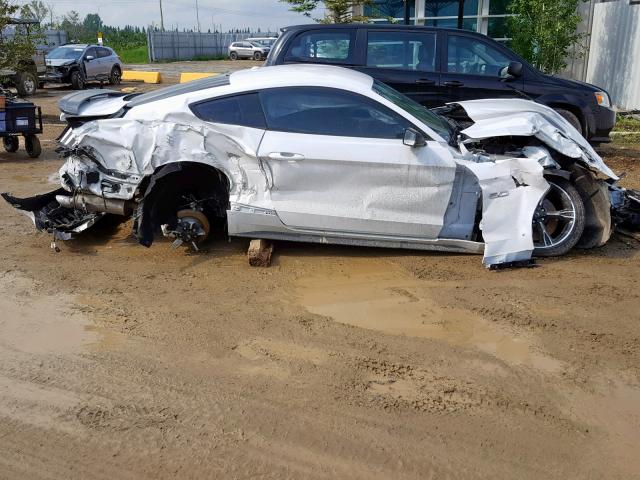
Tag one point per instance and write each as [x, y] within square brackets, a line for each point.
[10, 144]
[27, 84]
[77, 80]
[233, 56]
[257, 56]
[32, 146]
[115, 76]
[559, 220]
[571, 118]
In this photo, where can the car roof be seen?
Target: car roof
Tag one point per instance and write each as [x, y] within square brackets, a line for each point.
[376, 26]
[74, 45]
[300, 75]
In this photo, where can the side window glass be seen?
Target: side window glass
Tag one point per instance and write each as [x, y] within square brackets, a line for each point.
[323, 46]
[103, 52]
[91, 52]
[402, 50]
[326, 111]
[474, 57]
[244, 110]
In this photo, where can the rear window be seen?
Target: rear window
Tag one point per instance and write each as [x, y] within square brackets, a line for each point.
[318, 46]
[244, 110]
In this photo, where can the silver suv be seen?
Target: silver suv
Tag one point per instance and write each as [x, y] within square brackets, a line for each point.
[79, 63]
[247, 49]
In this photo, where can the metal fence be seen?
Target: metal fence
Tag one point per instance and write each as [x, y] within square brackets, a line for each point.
[173, 45]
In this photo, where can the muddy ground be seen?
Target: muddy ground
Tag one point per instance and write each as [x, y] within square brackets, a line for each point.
[118, 361]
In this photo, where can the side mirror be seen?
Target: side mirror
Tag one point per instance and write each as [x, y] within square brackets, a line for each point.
[413, 138]
[88, 58]
[515, 69]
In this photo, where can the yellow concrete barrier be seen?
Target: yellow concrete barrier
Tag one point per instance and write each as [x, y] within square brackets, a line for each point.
[137, 76]
[189, 76]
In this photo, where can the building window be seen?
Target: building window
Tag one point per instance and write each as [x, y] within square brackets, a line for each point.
[484, 16]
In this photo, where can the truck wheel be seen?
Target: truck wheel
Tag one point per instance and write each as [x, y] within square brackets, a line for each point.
[10, 144]
[116, 75]
[32, 145]
[27, 84]
[77, 80]
[571, 118]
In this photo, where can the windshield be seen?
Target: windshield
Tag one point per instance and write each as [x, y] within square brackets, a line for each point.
[256, 44]
[264, 42]
[434, 121]
[65, 53]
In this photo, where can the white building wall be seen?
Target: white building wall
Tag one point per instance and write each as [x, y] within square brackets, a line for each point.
[614, 52]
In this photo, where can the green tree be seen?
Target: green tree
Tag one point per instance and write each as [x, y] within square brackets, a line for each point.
[543, 31]
[35, 9]
[71, 24]
[337, 11]
[16, 41]
[92, 23]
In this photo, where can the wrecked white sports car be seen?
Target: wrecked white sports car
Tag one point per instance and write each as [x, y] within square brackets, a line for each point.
[326, 154]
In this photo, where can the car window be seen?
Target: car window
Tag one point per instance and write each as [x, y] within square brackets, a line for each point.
[471, 56]
[91, 52]
[323, 46]
[103, 52]
[402, 50]
[244, 110]
[327, 111]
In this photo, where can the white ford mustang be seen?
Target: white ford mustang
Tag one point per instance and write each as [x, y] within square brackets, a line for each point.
[326, 154]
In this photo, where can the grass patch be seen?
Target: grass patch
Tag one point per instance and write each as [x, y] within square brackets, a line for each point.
[134, 55]
[627, 130]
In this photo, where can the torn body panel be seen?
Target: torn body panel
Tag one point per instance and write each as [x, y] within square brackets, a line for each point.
[517, 117]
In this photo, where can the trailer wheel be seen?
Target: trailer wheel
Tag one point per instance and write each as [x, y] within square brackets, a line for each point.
[10, 144]
[32, 145]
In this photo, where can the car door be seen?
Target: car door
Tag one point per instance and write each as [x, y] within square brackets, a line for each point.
[406, 61]
[247, 49]
[472, 69]
[336, 162]
[91, 67]
[104, 61]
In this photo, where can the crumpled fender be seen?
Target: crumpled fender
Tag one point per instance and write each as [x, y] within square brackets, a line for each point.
[518, 117]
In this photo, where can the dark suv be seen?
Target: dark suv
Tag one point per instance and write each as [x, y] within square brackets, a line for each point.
[435, 66]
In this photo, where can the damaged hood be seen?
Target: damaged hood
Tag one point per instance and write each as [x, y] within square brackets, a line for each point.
[519, 117]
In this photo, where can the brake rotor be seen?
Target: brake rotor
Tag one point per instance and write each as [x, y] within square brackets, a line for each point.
[195, 218]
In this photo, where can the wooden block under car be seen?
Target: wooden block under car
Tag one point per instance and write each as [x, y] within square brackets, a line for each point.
[259, 253]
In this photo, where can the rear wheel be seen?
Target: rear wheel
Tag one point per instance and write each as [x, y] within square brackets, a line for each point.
[32, 146]
[77, 80]
[115, 76]
[10, 144]
[558, 222]
[27, 84]
[233, 56]
[571, 118]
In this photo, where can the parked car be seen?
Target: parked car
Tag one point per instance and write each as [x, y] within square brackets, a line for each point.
[325, 154]
[78, 64]
[263, 41]
[25, 77]
[247, 49]
[435, 66]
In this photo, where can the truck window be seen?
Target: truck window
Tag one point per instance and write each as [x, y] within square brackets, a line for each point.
[402, 50]
[323, 46]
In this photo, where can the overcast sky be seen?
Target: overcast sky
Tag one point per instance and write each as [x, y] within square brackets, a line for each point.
[182, 13]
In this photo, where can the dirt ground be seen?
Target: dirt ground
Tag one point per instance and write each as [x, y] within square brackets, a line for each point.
[118, 361]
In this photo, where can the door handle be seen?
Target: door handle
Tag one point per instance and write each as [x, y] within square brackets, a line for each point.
[453, 83]
[425, 81]
[286, 156]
